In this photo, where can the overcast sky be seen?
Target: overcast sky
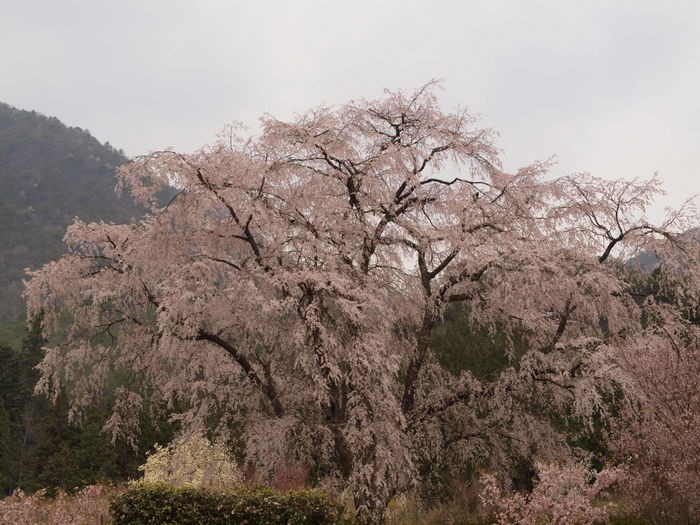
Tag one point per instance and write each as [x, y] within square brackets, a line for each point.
[609, 87]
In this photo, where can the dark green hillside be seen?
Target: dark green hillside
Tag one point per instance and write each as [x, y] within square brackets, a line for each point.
[49, 174]
[40, 449]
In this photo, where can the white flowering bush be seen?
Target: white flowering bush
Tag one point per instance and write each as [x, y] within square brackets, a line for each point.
[562, 496]
[192, 460]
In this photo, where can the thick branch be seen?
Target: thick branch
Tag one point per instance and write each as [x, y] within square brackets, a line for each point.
[461, 396]
[609, 247]
[464, 275]
[267, 387]
[569, 308]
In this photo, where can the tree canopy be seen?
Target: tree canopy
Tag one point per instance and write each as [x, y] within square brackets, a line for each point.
[288, 294]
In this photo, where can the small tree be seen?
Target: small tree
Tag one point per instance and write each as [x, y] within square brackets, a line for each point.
[192, 460]
[292, 287]
[657, 432]
[563, 495]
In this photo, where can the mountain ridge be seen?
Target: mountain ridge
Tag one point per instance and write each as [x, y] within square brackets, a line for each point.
[50, 173]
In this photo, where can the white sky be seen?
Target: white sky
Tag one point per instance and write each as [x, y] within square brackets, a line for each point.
[609, 87]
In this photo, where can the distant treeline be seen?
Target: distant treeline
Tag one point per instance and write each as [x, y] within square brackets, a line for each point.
[39, 448]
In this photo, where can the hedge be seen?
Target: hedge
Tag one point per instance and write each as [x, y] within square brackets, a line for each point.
[162, 504]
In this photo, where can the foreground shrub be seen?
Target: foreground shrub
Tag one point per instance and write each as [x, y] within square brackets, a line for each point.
[563, 495]
[192, 460]
[159, 504]
[90, 506]
[657, 432]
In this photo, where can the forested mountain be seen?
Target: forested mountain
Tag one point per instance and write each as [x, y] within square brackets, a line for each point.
[49, 174]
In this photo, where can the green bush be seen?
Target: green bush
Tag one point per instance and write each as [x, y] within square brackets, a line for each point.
[162, 504]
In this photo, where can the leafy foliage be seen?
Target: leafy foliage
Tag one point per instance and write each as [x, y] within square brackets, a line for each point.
[461, 344]
[156, 504]
[39, 448]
